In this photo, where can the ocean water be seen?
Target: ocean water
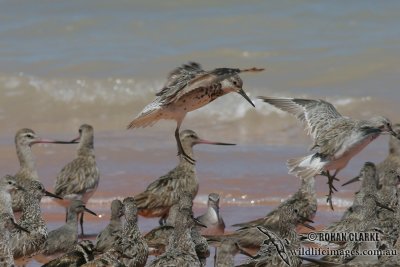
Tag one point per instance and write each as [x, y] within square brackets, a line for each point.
[64, 63]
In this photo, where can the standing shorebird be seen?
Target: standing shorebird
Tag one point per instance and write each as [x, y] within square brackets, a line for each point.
[24, 139]
[304, 200]
[64, 238]
[181, 249]
[336, 138]
[212, 219]
[278, 246]
[79, 178]
[7, 224]
[132, 244]
[107, 238]
[188, 88]
[25, 244]
[161, 194]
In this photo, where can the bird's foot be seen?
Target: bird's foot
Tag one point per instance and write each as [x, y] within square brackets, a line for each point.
[332, 188]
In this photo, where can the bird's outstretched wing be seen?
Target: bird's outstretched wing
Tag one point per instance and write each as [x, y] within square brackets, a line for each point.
[191, 76]
[178, 79]
[317, 114]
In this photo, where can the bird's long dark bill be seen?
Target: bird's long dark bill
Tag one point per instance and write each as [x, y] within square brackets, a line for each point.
[303, 221]
[202, 141]
[19, 227]
[307, 225]
[47, 193]
[243, 93]
[48, 141]
[355, 179]
[383, 206]
[89, 211]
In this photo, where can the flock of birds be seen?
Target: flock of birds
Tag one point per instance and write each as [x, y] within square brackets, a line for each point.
[182, 239]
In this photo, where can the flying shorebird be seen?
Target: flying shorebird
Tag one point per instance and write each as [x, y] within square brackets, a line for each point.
[161, 194]
[79, 178]
[188, 88]
[336, 138]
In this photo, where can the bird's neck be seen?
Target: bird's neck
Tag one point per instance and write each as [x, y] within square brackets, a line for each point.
[86, 147]
[308, 185]
[72, 217]
[26, 161]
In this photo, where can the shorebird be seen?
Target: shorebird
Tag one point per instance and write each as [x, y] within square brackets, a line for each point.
[23, 244]
[7, 224]
[304, 200]
[250, 238]
[277, 247]
[132, 243]
[212, 219]
[161, 194]
[64, 238]
[24, 139]
[181, 249]
[226, 253]
[157, 238]
[363, 218]
[188, 88]
[106, 239]
[336, 138]
[82, 254]
[79, 178]
[369, 185]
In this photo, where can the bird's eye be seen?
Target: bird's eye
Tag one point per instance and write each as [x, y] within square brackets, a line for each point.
[235, 83]
[296, 210]
[29, 136]
[9, 182]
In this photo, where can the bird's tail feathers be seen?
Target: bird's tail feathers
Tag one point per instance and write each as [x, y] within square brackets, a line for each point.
[305, 167]
[145, 119]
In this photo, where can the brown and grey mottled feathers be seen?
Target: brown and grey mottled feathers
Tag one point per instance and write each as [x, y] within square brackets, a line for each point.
[27, 244]
[81, 175]
[107, 238]
[304, 200]
[82, 254]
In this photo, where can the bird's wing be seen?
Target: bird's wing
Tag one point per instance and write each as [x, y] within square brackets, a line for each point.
[191, 76]
[76, 177]
[317, 114]
[178, 79]
[159, 194]
[333, 141]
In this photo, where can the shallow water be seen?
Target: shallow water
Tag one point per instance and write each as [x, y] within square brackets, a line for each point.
[64, 63]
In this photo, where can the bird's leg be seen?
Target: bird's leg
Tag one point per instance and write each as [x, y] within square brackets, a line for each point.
[66, 214]
[181, 151]
[81, 222]
[332, 188]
